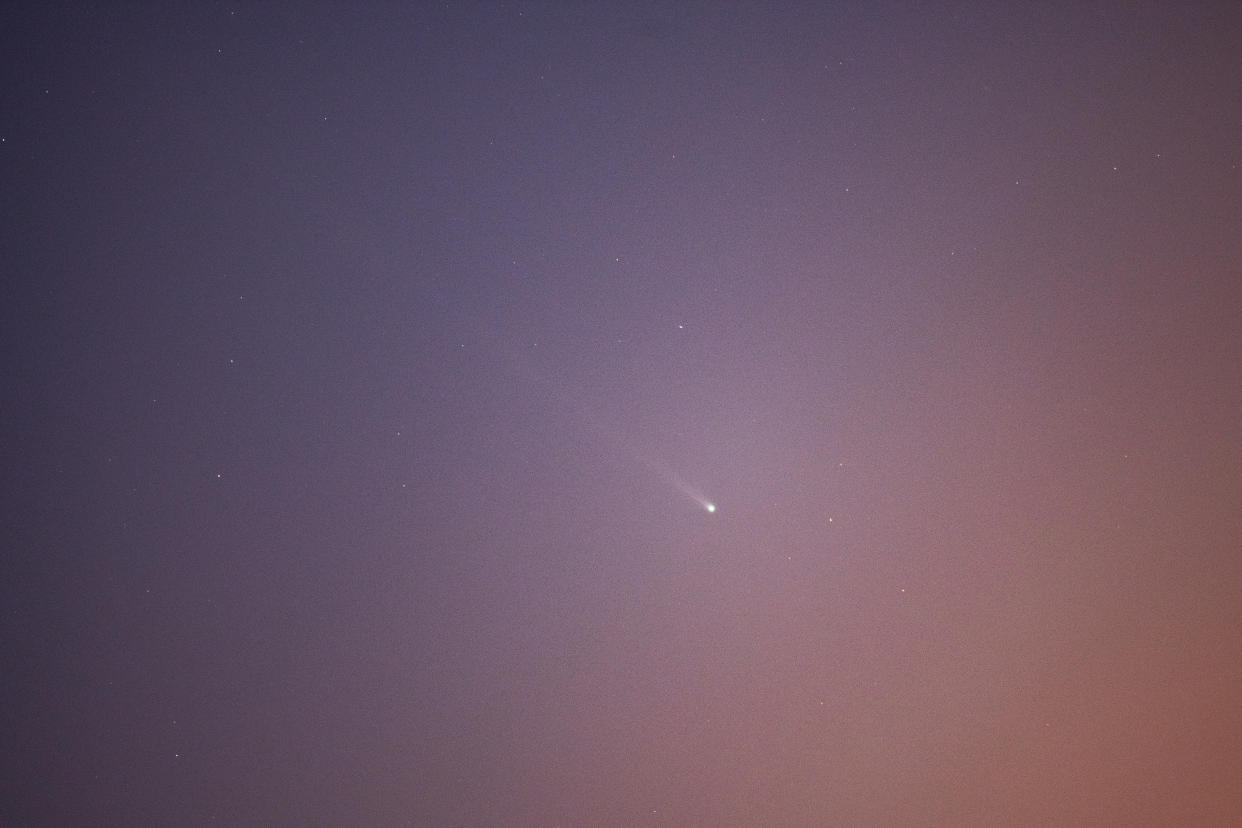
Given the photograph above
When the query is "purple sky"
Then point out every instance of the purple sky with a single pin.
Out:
(367, 368)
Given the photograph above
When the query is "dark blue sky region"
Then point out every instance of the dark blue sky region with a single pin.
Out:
(367, 369)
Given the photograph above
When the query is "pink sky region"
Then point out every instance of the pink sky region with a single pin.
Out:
(371, 372)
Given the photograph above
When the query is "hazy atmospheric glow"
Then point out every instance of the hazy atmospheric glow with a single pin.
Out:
(369, 370)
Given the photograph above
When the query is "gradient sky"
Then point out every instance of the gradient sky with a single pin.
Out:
(366, 369)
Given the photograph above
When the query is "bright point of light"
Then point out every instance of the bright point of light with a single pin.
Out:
(711, 507)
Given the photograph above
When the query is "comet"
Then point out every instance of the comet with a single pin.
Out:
(685, 488)
(524, 368)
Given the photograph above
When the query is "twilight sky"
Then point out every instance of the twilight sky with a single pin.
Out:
(367, 369)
